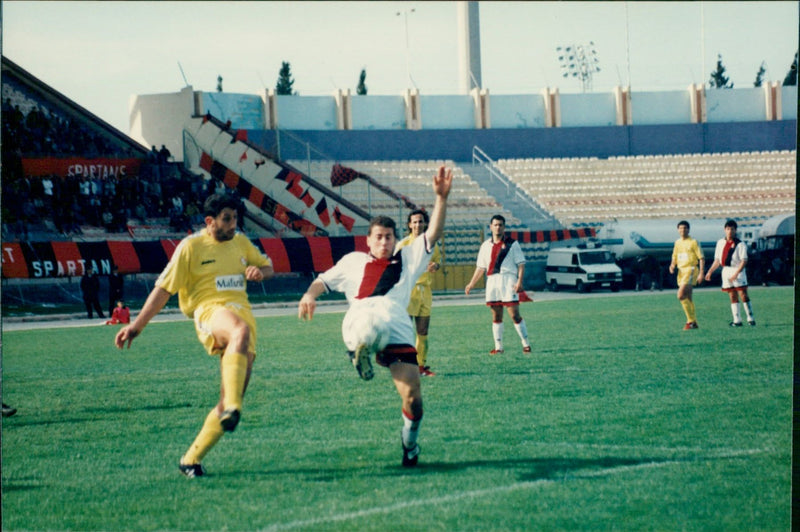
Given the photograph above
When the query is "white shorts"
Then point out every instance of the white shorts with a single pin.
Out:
(500, 289)
(739, 282)
(377, 321)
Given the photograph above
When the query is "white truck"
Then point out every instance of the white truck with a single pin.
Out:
(584, 267)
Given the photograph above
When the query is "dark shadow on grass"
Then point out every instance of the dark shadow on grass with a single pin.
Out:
(23, 484)
(85, 414)
(527, 469)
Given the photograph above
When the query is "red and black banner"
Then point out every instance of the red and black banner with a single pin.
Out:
(257, 197)
(536, 237)
(69, 259)
(99, 167)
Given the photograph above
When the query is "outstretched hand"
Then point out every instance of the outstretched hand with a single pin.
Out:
(442, 182)
(126, 334)
(306, 308)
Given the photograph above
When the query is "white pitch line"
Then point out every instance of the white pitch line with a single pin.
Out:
(489, 491)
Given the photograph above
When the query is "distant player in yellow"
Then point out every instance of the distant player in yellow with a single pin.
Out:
(687, 257)
(419, 308)
(209, 270)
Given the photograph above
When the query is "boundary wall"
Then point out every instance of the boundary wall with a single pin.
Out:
(548, 124)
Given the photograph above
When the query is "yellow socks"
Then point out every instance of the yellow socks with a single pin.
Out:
(422, 349)
(234, 373)
(689, 310)
(207, 438)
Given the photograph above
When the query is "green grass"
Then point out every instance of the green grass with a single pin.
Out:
(619, 420)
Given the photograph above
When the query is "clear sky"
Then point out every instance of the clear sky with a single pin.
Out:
(101, 53)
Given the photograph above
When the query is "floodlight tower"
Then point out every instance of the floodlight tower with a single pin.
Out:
(579, 61)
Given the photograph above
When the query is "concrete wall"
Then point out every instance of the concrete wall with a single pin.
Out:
(378, 112)
(157, 119)
(376, 127)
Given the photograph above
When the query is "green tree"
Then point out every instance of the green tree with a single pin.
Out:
(285, 81)
(362, 87)
(791, 76)
(219, 83)
(760, 75)
(718, 78)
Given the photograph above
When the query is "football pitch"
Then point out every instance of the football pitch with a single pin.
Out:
(617, 420)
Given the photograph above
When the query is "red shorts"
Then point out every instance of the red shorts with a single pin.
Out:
(396, 353)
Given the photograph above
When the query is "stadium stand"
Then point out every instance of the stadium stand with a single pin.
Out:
(746, 185)
(470, 205)
(469, 210)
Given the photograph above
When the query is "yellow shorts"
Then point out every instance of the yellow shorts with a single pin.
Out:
(421, 301)
(687, 276)
(202, 319)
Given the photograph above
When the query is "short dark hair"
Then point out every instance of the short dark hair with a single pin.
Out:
(216, 202)
(498, 217)
(382, 221)
(731, 223)
(684, 222)
(416, 212)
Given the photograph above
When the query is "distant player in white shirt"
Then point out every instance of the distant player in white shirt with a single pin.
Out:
(731, 254)
(378, 287)
(503, 262)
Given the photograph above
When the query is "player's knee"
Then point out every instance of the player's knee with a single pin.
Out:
(240, 336)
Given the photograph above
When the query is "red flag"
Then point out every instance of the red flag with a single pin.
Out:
(524, 298)
(341, 175)
(239, 135)
(343, 219)
(307, 199)
(322, 212)
(293, 186)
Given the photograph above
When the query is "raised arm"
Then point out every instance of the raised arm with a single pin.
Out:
(441, 187)
(155, 302)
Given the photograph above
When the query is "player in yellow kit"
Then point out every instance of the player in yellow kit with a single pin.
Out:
(209, 270)
(419, 308)
(687, 257)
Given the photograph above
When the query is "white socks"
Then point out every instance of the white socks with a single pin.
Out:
(497, 331)
(522, 331)
(410, 430)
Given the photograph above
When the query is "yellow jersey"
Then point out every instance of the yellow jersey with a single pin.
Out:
(425, 279)
(686, 253)
(203, 270)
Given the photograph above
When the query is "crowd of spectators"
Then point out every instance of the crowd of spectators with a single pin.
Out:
(66, 204)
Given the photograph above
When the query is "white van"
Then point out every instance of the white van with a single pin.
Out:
(584, 267)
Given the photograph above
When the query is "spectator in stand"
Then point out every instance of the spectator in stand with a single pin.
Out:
(116, 288)
(140, 212)
(108, 220)
(90, 286)
(163, 155)
(121, 314)
(47, 192)
(85, 191)
(177, 204)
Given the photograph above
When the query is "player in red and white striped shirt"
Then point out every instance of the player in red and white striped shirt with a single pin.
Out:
(731, 254)
(378, 287)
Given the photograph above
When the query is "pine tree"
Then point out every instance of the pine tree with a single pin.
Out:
(718, 78)
(760, 75)
(285, 81)
(362, 88)
(791, 76)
